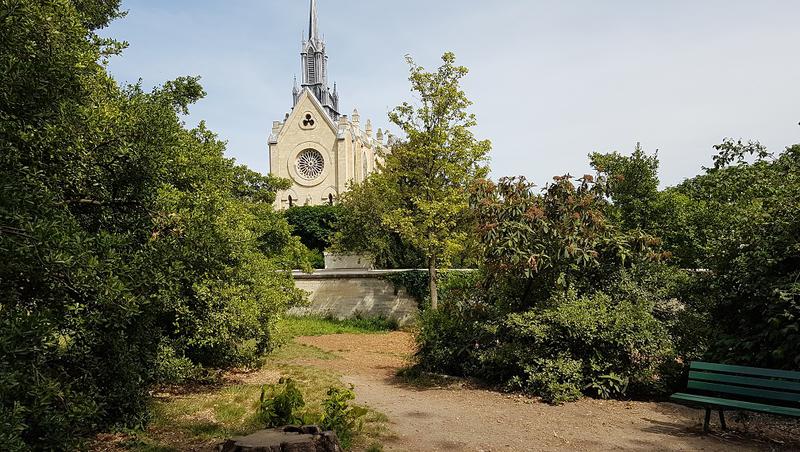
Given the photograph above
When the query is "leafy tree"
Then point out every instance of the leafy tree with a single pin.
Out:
(632, 184)
(568, 302)
(128, 244)
(748, 231)
(315, 225)
(430, 171)
(555, 241)
(738, 223)
(360, 227)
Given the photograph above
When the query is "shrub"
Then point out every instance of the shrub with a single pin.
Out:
(170, 368)
(565, 304)
(447, 337)
(120, 230)
(340, 416)
(280, 404)
(315, 225)
(738, 221)
(572, 343)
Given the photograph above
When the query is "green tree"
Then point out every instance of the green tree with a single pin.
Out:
(125, 238)
(360, 228)
(430, 170)
(632, 184)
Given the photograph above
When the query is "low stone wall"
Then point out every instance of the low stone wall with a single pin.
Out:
(345, 293)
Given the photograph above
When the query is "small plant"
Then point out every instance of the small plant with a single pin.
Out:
(279, 404)
(609, 386)
(340, 416)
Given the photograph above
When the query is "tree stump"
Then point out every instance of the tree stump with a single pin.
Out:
(308, 438)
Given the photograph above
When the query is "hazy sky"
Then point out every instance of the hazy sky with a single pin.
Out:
(551, 81)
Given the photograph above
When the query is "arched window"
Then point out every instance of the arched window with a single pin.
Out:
(291, 201)
(330, 199)
(364, 165)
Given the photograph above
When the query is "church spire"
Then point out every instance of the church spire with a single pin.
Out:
(313, 27)
(314, 65)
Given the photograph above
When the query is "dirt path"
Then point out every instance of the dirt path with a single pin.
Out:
(466, 419)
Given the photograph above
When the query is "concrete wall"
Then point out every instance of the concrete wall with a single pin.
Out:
(343, 293)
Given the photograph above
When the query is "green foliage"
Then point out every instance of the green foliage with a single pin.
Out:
(121, 232)
(430, 170)
(361, 230)
(566, 302)
(280, 404)
(553, 241)
(632, 184)
(419, 194)
(170, 368)
(415, 282)
(449, 337)
(609, 385)
(738, 222)
(341, 416)
(315, 225)
(756, 263)
(583, 338)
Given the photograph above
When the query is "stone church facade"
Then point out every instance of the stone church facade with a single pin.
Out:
(316, 147)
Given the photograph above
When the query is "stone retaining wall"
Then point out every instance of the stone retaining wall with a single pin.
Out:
(345, 293)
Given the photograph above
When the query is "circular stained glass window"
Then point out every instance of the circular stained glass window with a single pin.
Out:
(310, 164)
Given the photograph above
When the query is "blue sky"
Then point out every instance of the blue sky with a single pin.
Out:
(551, 81)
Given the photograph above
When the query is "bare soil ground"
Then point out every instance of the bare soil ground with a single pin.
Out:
(461, 417)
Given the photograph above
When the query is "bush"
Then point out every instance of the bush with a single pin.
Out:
(566, 304)
(315, 225)
(120, 231)
(738, 221)
(280, 404)
(173, 369)
(448, 337)
(340, 416)
(572, 343)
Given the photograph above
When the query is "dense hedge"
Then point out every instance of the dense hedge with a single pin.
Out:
(554, 312)
(578, 296)
(738, 222)
(315, 225)
(131, 250)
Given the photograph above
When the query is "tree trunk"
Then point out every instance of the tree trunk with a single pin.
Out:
(432, 277)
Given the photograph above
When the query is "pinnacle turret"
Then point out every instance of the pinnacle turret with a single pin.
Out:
(314, 63)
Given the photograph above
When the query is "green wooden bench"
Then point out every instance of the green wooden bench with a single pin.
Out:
(722, 387)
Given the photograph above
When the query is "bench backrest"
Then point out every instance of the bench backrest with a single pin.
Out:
(781, 387)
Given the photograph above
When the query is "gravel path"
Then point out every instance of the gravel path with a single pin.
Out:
(460, 418)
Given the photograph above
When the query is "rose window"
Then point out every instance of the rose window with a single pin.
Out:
(310, 164)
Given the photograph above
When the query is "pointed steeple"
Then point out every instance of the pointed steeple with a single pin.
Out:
(313, 27)
(314, 65)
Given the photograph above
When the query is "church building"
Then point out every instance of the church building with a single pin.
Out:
(316, 147)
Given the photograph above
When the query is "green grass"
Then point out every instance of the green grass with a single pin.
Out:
(293, 326)
(209, 416)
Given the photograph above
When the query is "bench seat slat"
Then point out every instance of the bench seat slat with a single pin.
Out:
(735, 404)
(748, 381)
(756, 371)
(743, 391)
